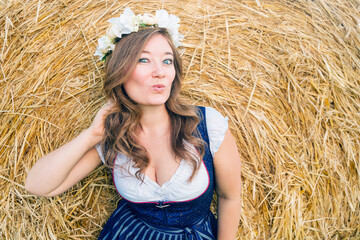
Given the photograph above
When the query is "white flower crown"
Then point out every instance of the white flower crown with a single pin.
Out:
(128, 23)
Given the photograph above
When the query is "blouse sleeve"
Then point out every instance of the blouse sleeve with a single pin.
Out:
(216, 127)
(100, 152)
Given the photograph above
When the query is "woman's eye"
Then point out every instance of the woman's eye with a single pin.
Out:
(168, 61)
(143, 60)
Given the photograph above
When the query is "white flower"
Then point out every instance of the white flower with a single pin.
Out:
(171, 23)
(105, 44)
(125, 24)
(115, 29)
(163, 18)
(128, 21)
(149, 19)
(177, 38)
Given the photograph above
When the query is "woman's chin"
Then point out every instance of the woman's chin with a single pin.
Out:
(159, 101)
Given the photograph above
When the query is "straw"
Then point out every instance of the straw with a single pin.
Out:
(286, 73)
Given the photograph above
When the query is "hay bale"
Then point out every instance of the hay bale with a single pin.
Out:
(285, 72)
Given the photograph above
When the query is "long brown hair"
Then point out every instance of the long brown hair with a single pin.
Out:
(120, 125)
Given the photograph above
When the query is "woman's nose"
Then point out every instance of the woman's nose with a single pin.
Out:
(158, 70)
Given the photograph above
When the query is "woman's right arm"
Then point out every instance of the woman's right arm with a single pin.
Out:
(59, 170)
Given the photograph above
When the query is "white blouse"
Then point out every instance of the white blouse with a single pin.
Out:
(178, 188)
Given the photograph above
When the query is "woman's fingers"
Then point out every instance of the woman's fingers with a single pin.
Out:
(97, 126)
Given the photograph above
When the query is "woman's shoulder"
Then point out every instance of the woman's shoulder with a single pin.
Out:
(214, 114)
(216, 125)
(209, 111)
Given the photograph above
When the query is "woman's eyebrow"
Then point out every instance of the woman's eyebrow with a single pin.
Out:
(166, 53)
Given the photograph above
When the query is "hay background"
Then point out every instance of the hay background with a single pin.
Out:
(285, 72)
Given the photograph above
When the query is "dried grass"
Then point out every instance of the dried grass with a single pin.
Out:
(285, 72)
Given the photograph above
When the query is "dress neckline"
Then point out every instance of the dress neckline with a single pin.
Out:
(172, 178)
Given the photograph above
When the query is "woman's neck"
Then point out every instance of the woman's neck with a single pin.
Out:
(154, 120)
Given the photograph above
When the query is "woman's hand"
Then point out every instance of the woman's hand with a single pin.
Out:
(97, 128)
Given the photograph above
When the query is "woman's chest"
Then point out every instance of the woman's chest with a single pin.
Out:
(177, 188)
(163, 162)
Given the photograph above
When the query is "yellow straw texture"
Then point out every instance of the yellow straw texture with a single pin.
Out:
(286, 73)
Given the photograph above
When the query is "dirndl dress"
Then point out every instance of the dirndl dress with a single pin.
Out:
(185, 220)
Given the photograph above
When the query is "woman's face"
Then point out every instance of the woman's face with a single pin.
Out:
(150, 82)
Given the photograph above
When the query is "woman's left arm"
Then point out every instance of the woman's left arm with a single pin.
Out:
(228, 187)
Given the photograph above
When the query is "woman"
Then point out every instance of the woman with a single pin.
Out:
(165, 155)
